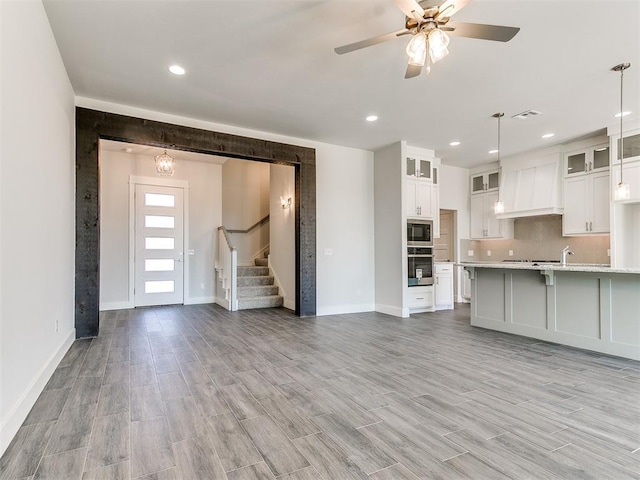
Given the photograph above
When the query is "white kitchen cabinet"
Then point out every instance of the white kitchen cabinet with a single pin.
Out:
(419, 199)
(485, 181)
(586, 160)
(484, 223)
(443, 286)
(586, 204)
(420, 299)
(417, 166)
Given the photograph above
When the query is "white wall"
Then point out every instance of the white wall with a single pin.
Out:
(390, 230)
(37, 158)
(205, 215)
(245, 201)
(282, 258)
(344, 209)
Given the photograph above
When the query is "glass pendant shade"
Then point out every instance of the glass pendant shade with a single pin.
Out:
(417, 49)
(165, 165)
(438, 40)
(622, 192)
(437, 55)
(498, 207)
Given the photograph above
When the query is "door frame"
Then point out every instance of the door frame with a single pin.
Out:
(158, 182)
(93, 125)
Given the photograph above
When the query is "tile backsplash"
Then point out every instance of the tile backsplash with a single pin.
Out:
(538, 238)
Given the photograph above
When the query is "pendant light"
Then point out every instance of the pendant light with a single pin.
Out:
(498, 207)
(165, 165)
(622, 190)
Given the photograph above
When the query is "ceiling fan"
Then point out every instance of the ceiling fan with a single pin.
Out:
(428, 22)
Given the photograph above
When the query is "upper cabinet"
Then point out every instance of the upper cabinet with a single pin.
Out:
(417, 166)
(586, 161)
(586, 191)
(485, 181)
(421, 198)
(483, 184)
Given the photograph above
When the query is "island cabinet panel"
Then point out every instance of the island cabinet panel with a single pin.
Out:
(528, 304)
(578, 306)
(591, 307)
(491, 288)
(625, 309)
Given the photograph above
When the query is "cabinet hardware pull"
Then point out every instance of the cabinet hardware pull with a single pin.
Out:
(419, 298)
(586, 226)
(591, 226)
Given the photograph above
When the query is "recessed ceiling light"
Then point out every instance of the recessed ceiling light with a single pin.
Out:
(623, 114)
(177, 70)
(454, 144)
(493, 151)
(371, 118)
(548, 135)
(128, 149)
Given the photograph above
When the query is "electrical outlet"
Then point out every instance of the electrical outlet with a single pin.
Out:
(202, 286)
(488, 253)
(608, 252)
(511, 253)
(469, 253)
(359, 292)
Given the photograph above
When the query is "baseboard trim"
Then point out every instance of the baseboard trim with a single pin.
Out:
(199, 300)
(104, 306)
(395, 311)
(12, 423)
(340, 309)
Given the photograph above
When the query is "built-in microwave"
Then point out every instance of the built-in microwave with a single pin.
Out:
(420, 233)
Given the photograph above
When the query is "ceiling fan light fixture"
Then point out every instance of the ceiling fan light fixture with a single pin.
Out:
(417, 49)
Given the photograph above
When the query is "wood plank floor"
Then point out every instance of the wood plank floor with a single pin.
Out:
(197, 392)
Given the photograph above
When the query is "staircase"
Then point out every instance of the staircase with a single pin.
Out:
(256, 288)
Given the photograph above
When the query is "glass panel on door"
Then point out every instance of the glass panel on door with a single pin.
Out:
(601, 157)
(477, 183)
(576, 163)
(411, 167)
(425, 169)
(494, 180)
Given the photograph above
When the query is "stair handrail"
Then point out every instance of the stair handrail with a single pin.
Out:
(228, 268)
(255, 225)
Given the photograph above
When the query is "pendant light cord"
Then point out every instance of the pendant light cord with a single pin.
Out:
(621, 154)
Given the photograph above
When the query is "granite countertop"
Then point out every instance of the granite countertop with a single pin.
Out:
(570, 267)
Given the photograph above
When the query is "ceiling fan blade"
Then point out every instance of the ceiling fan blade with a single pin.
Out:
(413, 71)
(450, 7)
(411, 8)
(484, 32)
(370, 41)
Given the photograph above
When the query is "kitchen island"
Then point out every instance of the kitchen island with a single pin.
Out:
(594, 307)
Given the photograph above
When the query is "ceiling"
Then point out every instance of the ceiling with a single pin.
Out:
(269, 65)
(146, 150)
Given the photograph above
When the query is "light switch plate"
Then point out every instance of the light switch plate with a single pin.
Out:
(328, 251)
(511, 253)
(192, 252)
(488, 253)
(470, 253)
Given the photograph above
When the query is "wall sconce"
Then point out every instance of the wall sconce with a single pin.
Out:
(286, 203)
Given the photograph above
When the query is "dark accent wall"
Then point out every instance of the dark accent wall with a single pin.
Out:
(92, 125)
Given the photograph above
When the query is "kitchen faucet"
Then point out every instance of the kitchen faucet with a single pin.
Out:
(565, 252)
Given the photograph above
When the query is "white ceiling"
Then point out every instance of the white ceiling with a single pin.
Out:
(269, 65)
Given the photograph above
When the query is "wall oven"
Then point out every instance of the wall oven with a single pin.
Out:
(420, 233)
(420, 266)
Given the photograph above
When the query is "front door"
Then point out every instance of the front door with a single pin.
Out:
(159, 242)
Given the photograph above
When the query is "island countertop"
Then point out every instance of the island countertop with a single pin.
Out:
(570, 267)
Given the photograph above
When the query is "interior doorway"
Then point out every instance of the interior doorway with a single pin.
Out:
(444, 246)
